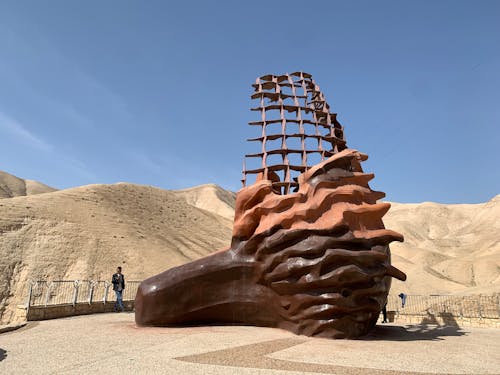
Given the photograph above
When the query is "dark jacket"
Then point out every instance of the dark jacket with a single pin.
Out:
(116, 281)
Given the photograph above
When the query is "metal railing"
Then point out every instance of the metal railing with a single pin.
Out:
(472, 306)
(64, 292)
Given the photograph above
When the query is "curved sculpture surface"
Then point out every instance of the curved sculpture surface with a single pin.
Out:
(315, 261)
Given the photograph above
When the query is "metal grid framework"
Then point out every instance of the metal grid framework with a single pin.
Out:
(298, 108)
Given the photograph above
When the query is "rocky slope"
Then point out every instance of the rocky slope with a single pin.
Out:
(12, 186)
(85, 232)
(448, 248)
(210, 197)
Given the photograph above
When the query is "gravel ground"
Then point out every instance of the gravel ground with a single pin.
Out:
(112, 344)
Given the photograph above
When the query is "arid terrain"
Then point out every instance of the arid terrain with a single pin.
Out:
(85, 232)
(448, 248)
(12, 186)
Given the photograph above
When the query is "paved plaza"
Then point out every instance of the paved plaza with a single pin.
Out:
(112, 344)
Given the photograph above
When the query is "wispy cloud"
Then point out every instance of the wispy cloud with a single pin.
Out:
(78, 95)
(175, 172)
(22, 134)
(180, 173)
(79, 168)
(77, 103)
(147, 163)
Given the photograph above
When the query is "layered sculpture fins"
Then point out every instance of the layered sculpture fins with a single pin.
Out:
(314, 261)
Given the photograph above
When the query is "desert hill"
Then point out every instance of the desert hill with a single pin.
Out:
(448, 248)
(85, 232)
(12, 186)
(210, 197)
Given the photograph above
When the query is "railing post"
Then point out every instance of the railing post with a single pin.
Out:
(479, 307)
(30, 294)
(91, 291)
(76, 284)
(106, 290)
(30, 291)
(89, 299)
(47, 294)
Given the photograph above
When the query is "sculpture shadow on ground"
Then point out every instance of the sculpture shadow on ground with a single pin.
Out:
(428, 329)
(3, 354)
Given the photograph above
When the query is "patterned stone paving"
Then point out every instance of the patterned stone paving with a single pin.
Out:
(112, 344)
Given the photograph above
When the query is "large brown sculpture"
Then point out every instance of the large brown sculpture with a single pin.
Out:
(315, 261)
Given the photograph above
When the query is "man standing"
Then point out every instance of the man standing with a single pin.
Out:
(118, 281)
(384, 313)
(403, 299)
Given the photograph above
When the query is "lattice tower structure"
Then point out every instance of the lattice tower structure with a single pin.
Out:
(295, 103)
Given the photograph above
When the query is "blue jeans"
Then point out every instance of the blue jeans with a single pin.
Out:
(119, 300)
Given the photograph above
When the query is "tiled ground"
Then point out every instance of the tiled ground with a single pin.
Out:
(112, 344)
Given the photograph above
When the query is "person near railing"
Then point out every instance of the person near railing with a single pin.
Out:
(403, 299)
(118, 281)
(384, 313)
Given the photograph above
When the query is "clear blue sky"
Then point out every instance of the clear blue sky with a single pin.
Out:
(157, 92)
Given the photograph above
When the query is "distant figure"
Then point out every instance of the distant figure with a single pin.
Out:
(118, 281)
(403, 299)
(384, 313)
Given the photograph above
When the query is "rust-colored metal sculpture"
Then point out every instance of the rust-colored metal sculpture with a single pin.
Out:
(315, 261)
(296, 108)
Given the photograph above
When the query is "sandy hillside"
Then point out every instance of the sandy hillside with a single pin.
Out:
(12, 186)
(85, 232)
(210, 197)
(448, 248)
